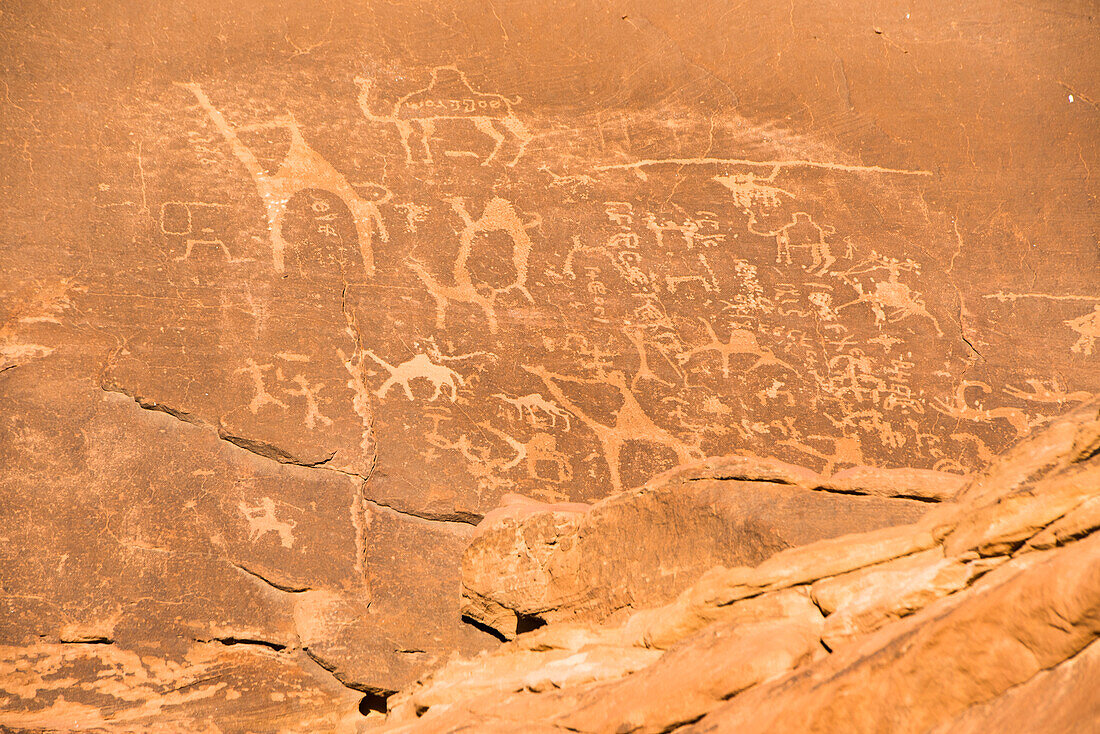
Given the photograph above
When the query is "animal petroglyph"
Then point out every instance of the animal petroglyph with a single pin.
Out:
(302, 168)
(418, 367)
(741, 341)
(498, 216)
(1041, 392)
(188, 220)
(847, 450)
(449, 96)
(801, 233)
(630, 424)
(533, 406)
(748, 189)
(541, 451)
(261, 521)
(961, 408)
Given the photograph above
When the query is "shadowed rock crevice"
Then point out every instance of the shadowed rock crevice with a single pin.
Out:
(274, 453)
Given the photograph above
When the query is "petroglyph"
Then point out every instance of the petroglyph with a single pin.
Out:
(846, 451)
(261, 396)
(741, 341)
(961, 408)
(541, 451)
(191, 222)
(533, 406)
(262, 520)
(630, 423)
(449, 96)
(498, 216)
(748, 189)
(302, 168)
(309, 392)
(1042, 392)
(795, 163)
(1088, 326)
(419, 367)
(801, 233)
(891, 300)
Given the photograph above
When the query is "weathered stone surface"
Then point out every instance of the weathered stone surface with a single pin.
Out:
(293, 561)
(922, 484)
(641, 548)
(99, 686)
(925, 674)
(292, 295)
(884, 630)
(1057, 700)
(864, 600)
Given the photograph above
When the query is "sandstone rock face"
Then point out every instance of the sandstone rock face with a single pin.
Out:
(641, 548)
(297, 299)
(903, 628)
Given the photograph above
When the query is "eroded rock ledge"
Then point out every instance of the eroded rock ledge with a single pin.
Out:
(983, 610)
(532, 563)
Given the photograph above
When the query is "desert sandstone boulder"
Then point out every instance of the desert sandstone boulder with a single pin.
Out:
(641, 548)
(897, 629)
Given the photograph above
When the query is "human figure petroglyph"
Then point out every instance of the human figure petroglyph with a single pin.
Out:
(301, 168)
(741, 341)
(262, 520)
(534, 405)
(419, 366)
(891, 300)
(498, 216)
(961, 408)
(1088, 326)
(449, 96)
(630, 424)
(309, 391)
(261, 397)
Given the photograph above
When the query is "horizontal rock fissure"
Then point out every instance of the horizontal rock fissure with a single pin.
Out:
(284, 587)
(813, 487)
(742, 478)
(340, 678)
(461, 518)
(274, 453)
(276, 646)
(859, 493)
(259, 448)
